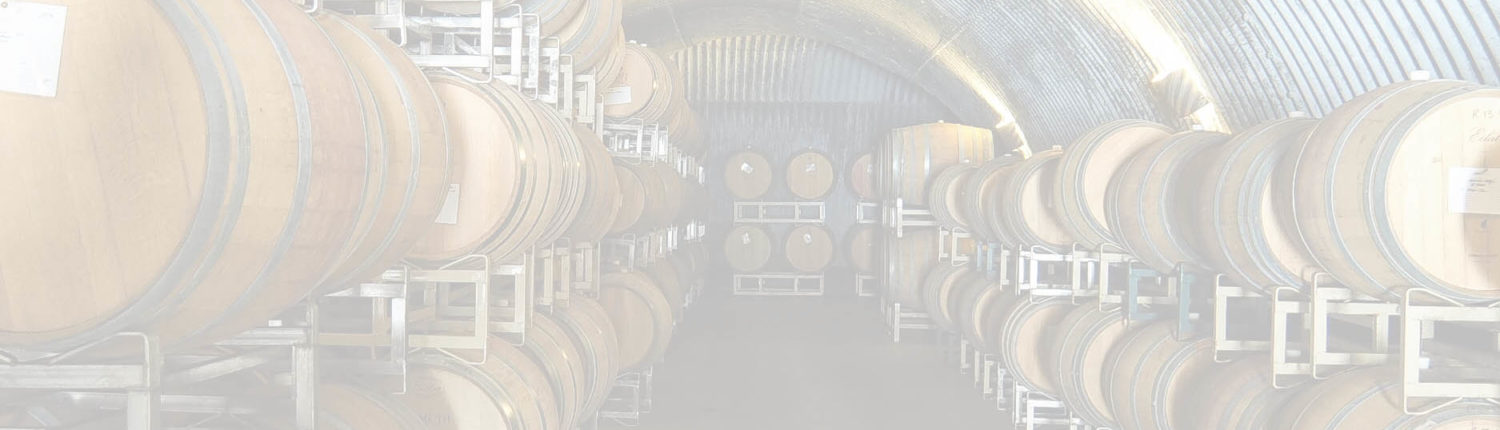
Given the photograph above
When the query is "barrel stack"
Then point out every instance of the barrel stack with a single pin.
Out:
(780, 242)
(1144, 271)
(322, 175)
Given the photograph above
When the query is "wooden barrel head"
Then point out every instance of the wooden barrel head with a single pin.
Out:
(508, 391)
(937, 293)
(641, 315)
(594, 336)
(861, 240)
(1087, 169)
(1150, 375)
(981, 189)
(646, 88)
(861, 177)
(549, 345)
(747, 175)
(1390, 191)
(747, 248)
(810, 175)
(809, 248)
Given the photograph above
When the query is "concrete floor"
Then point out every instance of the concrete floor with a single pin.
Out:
(807, 363)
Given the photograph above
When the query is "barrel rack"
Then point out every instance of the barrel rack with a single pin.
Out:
(896, 217)
(780, 213)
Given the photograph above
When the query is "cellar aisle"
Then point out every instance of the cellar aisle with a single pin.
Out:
(806, 363)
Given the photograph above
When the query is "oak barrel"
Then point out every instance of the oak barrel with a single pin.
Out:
(230, 185)
(594, 336)
(641, 315)
(1027, 332)
(651, 196)
(1083, 341)
(1239, 397)
(859, 246)
(1153, 206)
(947, 196)
(1393, 190)
(747, 248)
(1247, 206)
(983, 207)
(348, 407)
(508, 391)
(669, 279)
(861, 177)
(602, 197)
(505, 202)
(407, 163)
(938, 296)
(808, 248)
(748, 175)
(907, 261)
(550, 346)
(913, 155)
(810, 175)
(593, 37)
(1150, 377)
(1088, 167)
(648, 87)
(1370, 398)
(1025, 204)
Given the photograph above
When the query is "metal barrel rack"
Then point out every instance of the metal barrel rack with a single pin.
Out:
(896, 219)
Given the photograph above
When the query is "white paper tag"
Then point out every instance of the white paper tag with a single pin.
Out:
(449, 214)
(616, 96)
(1474, 190)
(31, 38)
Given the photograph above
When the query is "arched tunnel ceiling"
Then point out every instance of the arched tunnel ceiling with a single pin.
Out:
(1060, 67)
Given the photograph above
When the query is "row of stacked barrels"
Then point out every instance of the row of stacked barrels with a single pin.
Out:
(306, 154)
(806, 248)
(1388, 192)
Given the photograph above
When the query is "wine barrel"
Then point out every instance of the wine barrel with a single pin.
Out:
(550, 346)
(232, 190)
(809, 175)
(651, 196)
(407, 171)
(665, 274)
(938, 293)
(1391, 191)
(947, 196)
(982, 206)
(987, 317)
(1025, 205)
(593, 335)
(507, 391)
(592, 37)
(647, 88)
(1082, 344)
(747, 248)
(1253, 237)
(602, 197)
(1371, 399)
(347, 407)
(1153, 202)
(1087, 169)
(907, 261)
(809, 248)
(1150, 376)
(912, 155)
(860, 245)
(686, 129)
(861, 177)
(748, 175)
(1026, 333)
(641, 315)
(501, 203)
(1241, 397)
(968, 310)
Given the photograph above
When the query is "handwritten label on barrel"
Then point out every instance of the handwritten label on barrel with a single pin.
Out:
(449, 214)
(31, 38)
(1474, 190)
(616, 96)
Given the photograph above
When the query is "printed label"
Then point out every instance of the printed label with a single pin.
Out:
(31, 37)
(449, 214)
(616, 96)
(1474, 190)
